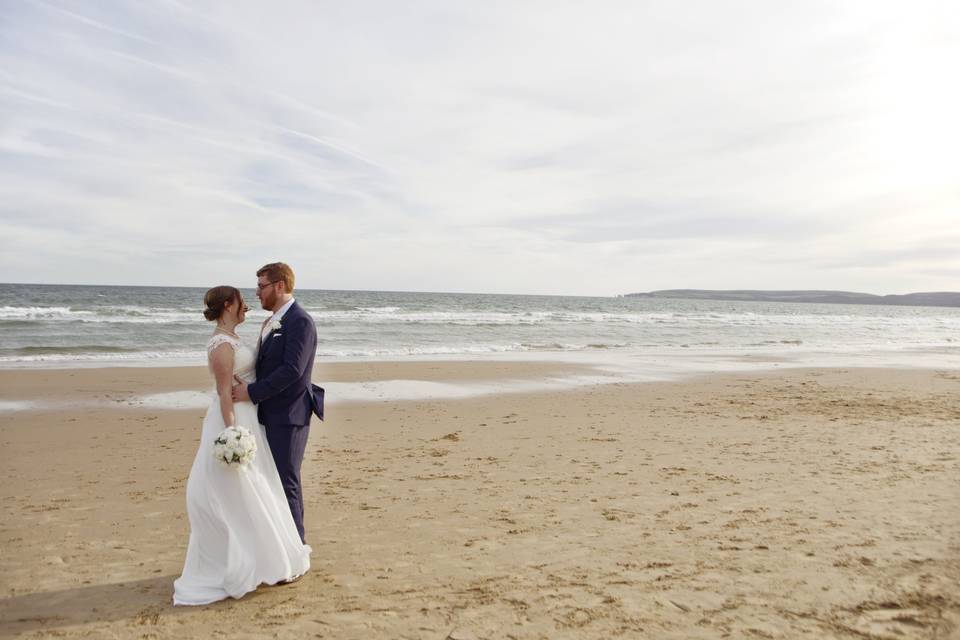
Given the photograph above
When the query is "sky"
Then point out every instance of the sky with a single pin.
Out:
(557, 147)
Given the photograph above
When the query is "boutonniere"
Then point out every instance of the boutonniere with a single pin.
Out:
(275, 326)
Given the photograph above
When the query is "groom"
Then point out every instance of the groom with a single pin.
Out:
(284, 396)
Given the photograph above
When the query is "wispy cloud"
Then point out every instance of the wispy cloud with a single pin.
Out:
(89, 22)
(532, 147)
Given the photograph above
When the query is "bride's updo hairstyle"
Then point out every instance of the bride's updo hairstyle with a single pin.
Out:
(217, 298)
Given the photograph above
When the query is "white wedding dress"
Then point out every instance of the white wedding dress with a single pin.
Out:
(241, 531)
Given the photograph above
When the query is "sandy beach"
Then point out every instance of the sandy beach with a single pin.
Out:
(820, 503)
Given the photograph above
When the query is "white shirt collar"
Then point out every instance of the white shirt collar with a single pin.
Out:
(279, 314)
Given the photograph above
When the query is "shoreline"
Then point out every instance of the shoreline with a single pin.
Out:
(428, 378)
(125, 388)
(814, 502)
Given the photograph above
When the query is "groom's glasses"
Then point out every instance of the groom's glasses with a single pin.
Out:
(261, 287)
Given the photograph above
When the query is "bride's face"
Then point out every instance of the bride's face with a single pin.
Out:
(237, 309)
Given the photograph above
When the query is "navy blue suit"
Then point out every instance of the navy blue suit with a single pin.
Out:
(286, 399)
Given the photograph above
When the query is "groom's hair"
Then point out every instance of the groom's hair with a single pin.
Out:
(278, 271)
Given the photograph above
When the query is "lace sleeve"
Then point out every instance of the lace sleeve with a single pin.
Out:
(218, 339)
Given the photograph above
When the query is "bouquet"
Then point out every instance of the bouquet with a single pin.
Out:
(234, 447)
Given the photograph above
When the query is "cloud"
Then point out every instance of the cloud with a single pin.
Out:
(629, 219)
(533, 147)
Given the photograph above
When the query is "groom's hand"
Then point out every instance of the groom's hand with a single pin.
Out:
(240, 391)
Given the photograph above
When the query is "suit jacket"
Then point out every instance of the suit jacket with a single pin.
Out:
(283, 392)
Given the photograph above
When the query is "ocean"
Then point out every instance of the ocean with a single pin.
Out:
(71, 325)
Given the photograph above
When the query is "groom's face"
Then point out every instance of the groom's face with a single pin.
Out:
(267, 292)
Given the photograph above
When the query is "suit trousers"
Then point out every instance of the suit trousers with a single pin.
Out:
(288, 444)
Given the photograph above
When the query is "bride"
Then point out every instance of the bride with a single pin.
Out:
(241, 531)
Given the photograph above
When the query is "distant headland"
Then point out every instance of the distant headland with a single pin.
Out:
(930, 299)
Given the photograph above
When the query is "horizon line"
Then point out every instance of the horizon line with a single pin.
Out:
(485, 293)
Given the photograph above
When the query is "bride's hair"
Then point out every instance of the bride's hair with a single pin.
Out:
(217, 298)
